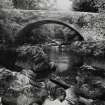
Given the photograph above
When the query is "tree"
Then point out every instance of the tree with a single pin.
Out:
(33, 4)
(100, 4)
(89, 5)
(6, 4)
(26, 4)
(85, 5)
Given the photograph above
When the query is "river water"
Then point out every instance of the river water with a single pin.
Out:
(65, 60)
(63, 57)
(68, 62)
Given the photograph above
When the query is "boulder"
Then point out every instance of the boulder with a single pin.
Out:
(91, 82)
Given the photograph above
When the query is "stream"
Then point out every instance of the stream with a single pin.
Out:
(68, 62)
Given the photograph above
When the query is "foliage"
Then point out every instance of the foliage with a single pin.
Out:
(89, 5)
(84, 5)
(100, 4)
(6, 4)
(25, 4)
(95, 48)
(32, 53)
(32, 4)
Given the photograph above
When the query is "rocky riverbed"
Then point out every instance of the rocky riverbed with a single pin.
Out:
(28, 84)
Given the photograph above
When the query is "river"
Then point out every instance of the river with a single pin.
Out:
(65, 60)
(68, 62)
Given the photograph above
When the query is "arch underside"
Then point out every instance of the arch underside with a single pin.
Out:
(25, 32)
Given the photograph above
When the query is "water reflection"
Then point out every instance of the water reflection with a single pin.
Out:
(68, 63)
(63, 57)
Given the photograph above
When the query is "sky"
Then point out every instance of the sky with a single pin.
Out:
(58, 4)
(63, 5)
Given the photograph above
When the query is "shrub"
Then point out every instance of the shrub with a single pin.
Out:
(26, 4)
(89, 5)
(6, 4)
(33, 4)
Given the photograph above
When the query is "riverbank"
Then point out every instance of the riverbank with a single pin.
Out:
(84, 48)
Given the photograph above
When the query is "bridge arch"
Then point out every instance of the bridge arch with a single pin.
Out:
(25, 32)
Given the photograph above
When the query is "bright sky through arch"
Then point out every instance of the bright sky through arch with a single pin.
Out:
(64, 5)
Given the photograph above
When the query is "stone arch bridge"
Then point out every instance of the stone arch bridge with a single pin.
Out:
(24, 34)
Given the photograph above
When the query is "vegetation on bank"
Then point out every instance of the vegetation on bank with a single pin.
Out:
(95, 48)
(95, 6)
(89, 5)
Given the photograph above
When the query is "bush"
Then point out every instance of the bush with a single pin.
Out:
(89, 5)
(6, 4)
(26, 4)
(100, 4)
(33, 4)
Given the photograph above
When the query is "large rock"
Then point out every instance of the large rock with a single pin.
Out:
(90, 81)
(22, 89)
(26, 86)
